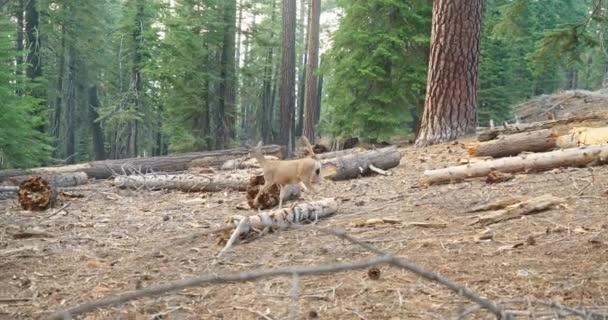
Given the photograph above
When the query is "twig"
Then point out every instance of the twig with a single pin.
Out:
(59, 210)
(429, 275)
(295, 296)
(214, 279)
(256, 312)
(11, 300)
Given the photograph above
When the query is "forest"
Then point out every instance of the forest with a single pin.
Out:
(303, 159)
(110, 79)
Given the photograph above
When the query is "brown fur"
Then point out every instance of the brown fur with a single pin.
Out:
(304, 171)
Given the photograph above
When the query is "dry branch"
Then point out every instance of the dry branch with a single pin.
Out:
(283, 218)
(511, 145)
(354, 165)
(519, 209)
(574, 157)
(186, 182)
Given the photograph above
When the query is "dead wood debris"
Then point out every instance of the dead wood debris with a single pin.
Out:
(519, 209)
(35, 194)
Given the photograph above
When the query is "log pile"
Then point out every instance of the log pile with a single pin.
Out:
(528, 147)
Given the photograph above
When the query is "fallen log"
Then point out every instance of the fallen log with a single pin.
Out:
(185, 182)
(279, 219)
(244, 163)
(580, 136)
(573, 157)
(511, 145)
(490, 134)
(519, 209)
(355, 165)
(61, 180)
(172, 163)
(339, 153)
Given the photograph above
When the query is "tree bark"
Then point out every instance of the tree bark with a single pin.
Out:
(267, 97)
(573, 157)
(301, 68)
(70, 143)
(19, 46)
(451, 94)
(512, 145)
(310, 101)
(225, 125)
(288, 76)
(355, 165)
(186, 182)
(58, 108)
(179, 162)
(319, 99)
(136, 81)
(99, 151)
(32, 30)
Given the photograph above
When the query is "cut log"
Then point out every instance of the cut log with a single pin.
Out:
(490, 134)
(512, 145)
(355, 165)
(60, 180)
(519, 209)
(340, 153)
(185, 182)
(244, 163)
(172, 163)
(581, 136)
(573, 157)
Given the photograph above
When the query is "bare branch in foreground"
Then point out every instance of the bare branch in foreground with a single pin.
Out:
(429, 275)
(214, 279)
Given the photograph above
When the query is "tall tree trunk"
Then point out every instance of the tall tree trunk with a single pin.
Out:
(70, 113)
(450, 109)
(246, 106)
(99, 151)
(32, 30)
(319, 99)
(301, 68)
(237, 88)
(56, 125)
(19, 46)
(206, 112)
(311, 67)
(267, 100)
(136, 81)
(288, 75)
(227, 75)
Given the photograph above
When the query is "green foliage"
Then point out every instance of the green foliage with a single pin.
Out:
(21, 145)
(378, 67)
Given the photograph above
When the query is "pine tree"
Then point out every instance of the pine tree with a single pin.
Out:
(18, 111)
(375, 70)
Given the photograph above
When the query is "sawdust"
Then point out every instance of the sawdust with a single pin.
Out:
(114, 240)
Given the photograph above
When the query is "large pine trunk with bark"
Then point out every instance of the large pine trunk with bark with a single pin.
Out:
(288, 76)
(310, 102)
(451, 97)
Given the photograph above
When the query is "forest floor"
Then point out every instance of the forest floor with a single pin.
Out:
(112, 241)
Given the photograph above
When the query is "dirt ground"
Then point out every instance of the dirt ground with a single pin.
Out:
(108, 242)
